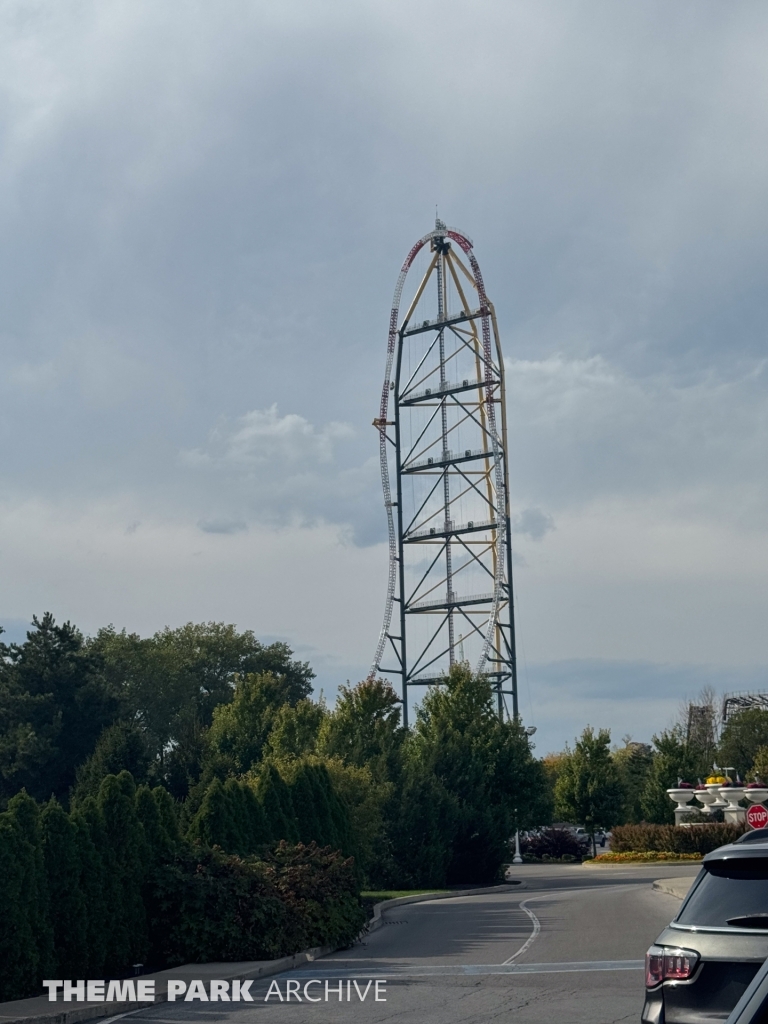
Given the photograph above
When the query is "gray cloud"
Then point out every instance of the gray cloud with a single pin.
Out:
(533, 523)
(201, 222)
(225, 526)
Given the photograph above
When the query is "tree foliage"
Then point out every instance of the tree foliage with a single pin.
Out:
(588, 789)
(54, 704)
(743, 735)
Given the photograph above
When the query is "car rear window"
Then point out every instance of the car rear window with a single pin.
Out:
(729, 893)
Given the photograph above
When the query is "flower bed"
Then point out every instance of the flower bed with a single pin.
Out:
(642, 857)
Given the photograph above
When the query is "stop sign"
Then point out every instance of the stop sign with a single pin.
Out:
(757, 816)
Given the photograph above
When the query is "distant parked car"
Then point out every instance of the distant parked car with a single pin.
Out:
(703, 962)
(583, 833)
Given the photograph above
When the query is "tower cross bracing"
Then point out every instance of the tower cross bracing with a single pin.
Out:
(443, 447)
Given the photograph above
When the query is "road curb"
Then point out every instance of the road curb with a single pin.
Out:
(96, 1011)
(677, 887)
(378, 908)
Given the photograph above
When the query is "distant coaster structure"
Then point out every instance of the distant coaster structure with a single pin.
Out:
(443, 443)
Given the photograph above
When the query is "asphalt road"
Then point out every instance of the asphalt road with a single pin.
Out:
(566, 948)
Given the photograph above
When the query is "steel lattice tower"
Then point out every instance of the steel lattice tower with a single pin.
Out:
(443, 444)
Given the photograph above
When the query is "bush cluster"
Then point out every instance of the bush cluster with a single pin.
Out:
(672, 839)
(113, 883)
(553, 844)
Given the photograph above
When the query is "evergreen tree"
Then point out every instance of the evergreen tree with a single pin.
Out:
(305, 804)
(323, 793)
(20, 969)
(18, 948)
(67, 908)
(275, 798)
(54, 703)
(426, 824)
(121, 747)
(633, 763)
(100, 889)
(230, 816)
(212, 825)
(24, 813)
(148, 813)
(125, 858)
(239, 838)
(169, 818)
(257, 835)
(484, 764)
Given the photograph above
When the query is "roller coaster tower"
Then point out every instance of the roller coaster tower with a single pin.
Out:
(443, 444)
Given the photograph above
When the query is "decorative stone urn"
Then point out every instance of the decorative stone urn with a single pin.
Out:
(731, 795)
(756, 794)
(682, 796)
(717, 804)
(706, 798)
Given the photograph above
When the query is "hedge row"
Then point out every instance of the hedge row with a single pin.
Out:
(245, 816)
(673, 838)
(113, 883)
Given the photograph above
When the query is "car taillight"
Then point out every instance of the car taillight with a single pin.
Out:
(664, 963)
(654, 966)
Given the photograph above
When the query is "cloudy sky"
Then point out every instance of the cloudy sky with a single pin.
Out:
(203, 209)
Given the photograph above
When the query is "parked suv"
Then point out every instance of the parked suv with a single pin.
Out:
(701, 964)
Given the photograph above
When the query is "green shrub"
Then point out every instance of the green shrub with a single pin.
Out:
(673, 838)
(554, 844)
(93, 891)
(206, 905)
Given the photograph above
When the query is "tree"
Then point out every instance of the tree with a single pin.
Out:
(426, 825)
(121, 747)
(367, 806)
(54, 703)
(275, 799)
(100, 888)
(173, 682)
(67, 908)
(240, 729)
(125, 856)
(364, 727)
(295, 729)
(588, 789)
(672, 759)
(213, 825)
(760, 764)
(306, 807)
(485, 766)
(26, 938)
(742, 736)
(633, 763)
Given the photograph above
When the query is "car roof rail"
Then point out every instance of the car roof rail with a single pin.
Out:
(757, 835)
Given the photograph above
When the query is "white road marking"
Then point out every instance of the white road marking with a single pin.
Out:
(532, 937)
(437, 970)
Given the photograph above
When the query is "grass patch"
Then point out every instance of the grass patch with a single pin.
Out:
(370, 897)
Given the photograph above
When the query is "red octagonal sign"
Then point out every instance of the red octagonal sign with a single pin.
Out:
(757, 816)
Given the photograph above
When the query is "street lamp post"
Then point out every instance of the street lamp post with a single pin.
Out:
(517, 859)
